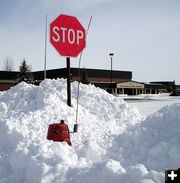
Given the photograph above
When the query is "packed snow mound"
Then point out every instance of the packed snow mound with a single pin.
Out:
(143, 152)
(154, 142)
(114, 142)
(27, 110)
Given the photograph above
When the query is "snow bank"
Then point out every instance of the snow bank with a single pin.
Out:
(27, 110)
(110, 146)
(154, 142)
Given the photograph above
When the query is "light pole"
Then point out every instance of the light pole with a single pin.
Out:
(111, 56)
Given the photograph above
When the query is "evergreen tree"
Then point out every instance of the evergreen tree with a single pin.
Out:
(84, 77)
(25, 73)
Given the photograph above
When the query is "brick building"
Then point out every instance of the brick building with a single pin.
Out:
(122, 82)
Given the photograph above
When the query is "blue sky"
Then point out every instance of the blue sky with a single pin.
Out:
(144, 35)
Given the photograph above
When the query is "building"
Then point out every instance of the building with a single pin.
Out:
(94, 75)
(155, 88)
(98, 77)
(130, 88)
(122, 82)
(7, 79)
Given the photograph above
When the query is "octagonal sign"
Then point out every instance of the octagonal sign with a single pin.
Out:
(67, 35)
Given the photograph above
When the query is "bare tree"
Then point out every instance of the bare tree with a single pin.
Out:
(8, 64)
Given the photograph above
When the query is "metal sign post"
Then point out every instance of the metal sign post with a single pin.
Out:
(68, 81)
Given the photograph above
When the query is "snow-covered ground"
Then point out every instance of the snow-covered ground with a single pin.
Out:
(149, 104)
(117, 141)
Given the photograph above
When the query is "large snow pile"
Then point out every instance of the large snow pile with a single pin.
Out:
(113, 143)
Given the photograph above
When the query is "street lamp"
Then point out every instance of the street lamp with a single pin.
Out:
(111, 56)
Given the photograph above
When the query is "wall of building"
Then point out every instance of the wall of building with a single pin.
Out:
(5, 86)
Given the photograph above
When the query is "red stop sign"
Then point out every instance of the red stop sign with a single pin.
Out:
(67, 35)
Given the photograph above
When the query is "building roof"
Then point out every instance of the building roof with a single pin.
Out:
(60, 73)
(155, 85)
(162, 82)
(103, 75)
(8, 75)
